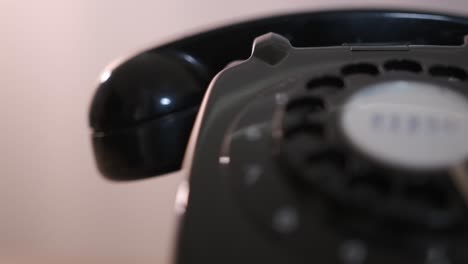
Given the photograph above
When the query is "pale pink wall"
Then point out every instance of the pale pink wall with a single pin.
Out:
(54, 207)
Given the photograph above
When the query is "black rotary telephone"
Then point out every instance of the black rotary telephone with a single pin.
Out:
(337, 137)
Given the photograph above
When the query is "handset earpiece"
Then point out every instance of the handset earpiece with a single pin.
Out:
(142, 116)
(143, 110)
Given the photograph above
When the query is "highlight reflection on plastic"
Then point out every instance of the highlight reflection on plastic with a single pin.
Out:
(165, 101)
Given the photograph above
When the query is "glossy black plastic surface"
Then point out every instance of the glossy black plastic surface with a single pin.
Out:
(150, 148)
(172, 78)
(146, 87)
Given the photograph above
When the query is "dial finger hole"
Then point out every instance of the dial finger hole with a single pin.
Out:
(305, 105)
(450, 72)
(360, 68)
(326, 82)
(403, 65)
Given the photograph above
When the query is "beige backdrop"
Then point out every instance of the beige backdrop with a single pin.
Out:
(54, 207)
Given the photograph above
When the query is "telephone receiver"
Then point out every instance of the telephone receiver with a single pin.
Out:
(144, 108)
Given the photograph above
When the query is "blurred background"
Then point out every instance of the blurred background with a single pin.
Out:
(54, 206)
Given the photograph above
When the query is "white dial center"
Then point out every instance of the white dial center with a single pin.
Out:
(408, 124)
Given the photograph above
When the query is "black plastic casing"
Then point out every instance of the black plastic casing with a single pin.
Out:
(135, 136)
(216, 227)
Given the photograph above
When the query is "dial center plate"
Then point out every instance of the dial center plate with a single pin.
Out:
(409, 124)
